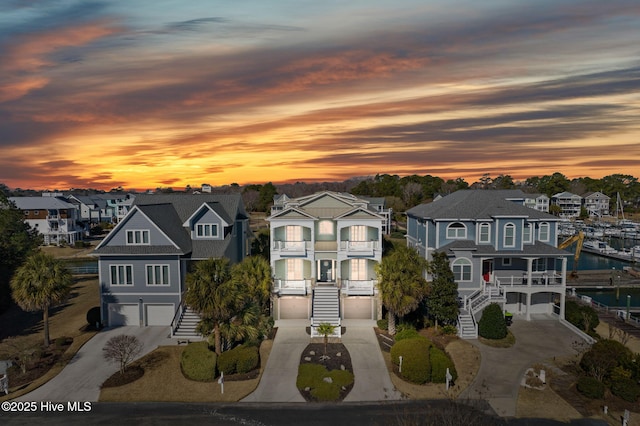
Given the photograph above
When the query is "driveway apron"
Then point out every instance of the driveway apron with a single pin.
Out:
(81, 379)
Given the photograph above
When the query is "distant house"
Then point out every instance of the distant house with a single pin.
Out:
(97, 208)
(144, 260)
(596, 204)
(52, 216)
(570, 204)
(324, 248)
(499, 251)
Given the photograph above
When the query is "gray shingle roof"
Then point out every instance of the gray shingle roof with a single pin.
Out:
(476, 204)
(538, 249)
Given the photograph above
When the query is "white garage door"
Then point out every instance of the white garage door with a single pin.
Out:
(159, 314)
(123, 314)
(357, 308)
(294, 307)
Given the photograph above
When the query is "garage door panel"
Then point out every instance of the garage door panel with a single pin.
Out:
(123, 314)
(358, 308)
(294, 308)
(159, 314)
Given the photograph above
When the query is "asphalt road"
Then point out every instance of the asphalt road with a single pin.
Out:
(249, 414)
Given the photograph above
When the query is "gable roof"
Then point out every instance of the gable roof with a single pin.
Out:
(325, 205)
(476, 204)
(41, 203)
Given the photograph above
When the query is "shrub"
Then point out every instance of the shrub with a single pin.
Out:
(440, 361)
(248, 359)
(590, 387)
(308, 374)
(626, 389)
(492, 324)
(228, 361)
(582, 316)
(408, 333)
(415, 359)
(383, 324)
(603, 357)
(93, 316)
(198, 362)
(311, 376)
(450, 329)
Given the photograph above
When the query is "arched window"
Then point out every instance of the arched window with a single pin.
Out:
(456, 231)
(461, 269)
(543, 232)
(484, 236)
(509, 235)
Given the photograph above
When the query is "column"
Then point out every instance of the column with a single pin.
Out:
(529, 304)
(529, 273)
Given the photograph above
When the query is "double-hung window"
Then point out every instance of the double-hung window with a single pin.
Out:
(543, 232)
(484, 236)
(526, 233)
(461, 269)
(137, 237)
(157, 274)
(509, 235)
(121, 274)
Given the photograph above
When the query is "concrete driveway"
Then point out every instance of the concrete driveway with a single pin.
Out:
(80, 380)
(502, 369)
(278, 382)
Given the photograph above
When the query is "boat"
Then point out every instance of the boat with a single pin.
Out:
(598, 247)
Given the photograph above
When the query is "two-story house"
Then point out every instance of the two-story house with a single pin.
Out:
(324, 248)
(499, 251)
(144, 260)
(51, 216)
(596, 204)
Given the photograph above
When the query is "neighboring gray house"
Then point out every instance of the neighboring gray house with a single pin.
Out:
(144, 260)
(499, 251)
(570, 204)
(596, 204)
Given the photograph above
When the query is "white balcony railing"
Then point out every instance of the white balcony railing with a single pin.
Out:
(291, 247)
(359, 287)
(537, 279)
(359, 247)
(281, 286)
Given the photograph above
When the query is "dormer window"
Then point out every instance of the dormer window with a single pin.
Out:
(137, 237)
(543, 232)
(509, 235)
(207, 230)
(484, 233)
(456, 231)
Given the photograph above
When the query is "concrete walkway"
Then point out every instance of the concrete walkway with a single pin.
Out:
(502, 369)
(278, 382)
(81, 379)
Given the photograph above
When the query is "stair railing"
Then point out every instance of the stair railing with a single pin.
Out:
(177, 317)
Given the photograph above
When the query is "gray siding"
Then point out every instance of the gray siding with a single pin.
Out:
(137, 221)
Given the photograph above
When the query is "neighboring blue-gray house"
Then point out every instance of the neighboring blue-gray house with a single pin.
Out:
(499, 250)
(144, 260)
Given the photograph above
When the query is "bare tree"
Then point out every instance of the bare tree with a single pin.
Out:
(19, 351)
(122, 349)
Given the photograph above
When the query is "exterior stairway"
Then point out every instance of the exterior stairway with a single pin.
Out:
(326, 309)
(467, 325)
(186, 326)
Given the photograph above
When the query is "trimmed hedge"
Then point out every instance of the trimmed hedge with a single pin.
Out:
(440, 361)
(416, 367)
(408, 333)
(590, 387)
(492, 324)
(198, 362)
(240, 359)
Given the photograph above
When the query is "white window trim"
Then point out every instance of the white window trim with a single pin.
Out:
(506, 261)
(512, 226)
(480, 228)
(358, 269)
(293, 233)
(529, 226)
(142, 232)
(463, 262)
(457, 229)
(548, 228)
(358, 233)
(155, 282)
(295, 269)
(202, 226)
(121, 279)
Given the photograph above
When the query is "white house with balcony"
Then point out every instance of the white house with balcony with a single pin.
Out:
(499, 250)
(51, 216)
(596, 204)
(324, 248)
(570, 204)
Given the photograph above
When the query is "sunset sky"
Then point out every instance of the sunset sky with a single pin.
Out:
(150, 93)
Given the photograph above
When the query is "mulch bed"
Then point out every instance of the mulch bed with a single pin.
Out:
(48, 357)
(339, 357)
(131, 374)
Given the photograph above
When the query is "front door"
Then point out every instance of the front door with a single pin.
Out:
(325, 272)
(487, 270)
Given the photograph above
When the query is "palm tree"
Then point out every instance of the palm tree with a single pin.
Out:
(211, 292)
(326, 329)
(254, 274)
(401, 283)
(40, 283)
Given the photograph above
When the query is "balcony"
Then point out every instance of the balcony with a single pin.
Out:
(359, 287)
(539, 280)
(359, 248)
(291, 248)
(291, 287)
